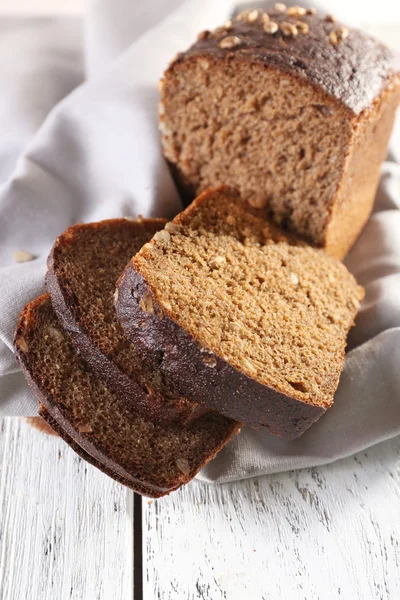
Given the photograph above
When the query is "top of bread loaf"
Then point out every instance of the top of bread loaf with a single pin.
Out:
(348, 64)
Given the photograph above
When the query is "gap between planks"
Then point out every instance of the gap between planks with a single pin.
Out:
(137, 547)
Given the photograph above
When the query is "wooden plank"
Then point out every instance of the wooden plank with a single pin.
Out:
(65, 528)
(328, 532)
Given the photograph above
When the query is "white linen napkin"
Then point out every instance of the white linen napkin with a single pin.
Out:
(96, 155)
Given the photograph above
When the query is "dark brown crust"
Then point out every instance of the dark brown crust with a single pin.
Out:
(86, 449)
(222, 388)
(354, 71)
(148, 402)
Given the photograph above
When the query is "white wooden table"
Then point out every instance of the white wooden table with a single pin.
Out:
(68, 532)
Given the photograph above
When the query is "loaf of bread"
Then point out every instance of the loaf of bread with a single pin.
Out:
(239, 317)
(151, 458)
(293, 110)
(83, 267)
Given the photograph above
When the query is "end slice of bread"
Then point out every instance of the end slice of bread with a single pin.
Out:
(83, 267)
(239, 316)
(150, 458)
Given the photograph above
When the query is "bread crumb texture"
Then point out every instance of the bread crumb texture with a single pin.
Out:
(275, 309)
(164, 456)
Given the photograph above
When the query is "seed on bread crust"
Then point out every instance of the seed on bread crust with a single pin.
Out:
(249, 16)
(253, 16)
(271, 27)
(231, 41)
(210, 361)
(303, 27)
(288, 29)
(296, 11)
(146, 304)
(338, 35)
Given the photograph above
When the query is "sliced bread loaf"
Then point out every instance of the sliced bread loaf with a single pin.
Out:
(239, 317)
(83, 267)
(292, 109)
(103, 428)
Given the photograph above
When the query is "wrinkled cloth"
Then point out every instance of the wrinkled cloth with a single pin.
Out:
(79, 142)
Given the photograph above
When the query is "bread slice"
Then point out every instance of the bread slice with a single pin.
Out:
(292, 109)
(151, 458)
(238, 316)
(83, 267)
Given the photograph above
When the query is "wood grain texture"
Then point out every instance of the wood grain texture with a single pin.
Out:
(65, 528)
(327, 533)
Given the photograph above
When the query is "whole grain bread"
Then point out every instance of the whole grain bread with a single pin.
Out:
(238, 316)
(83, 267)
(151, 458)
(291, 108)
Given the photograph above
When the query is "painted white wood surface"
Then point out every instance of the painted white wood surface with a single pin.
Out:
(327, 533)
(65, 528)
